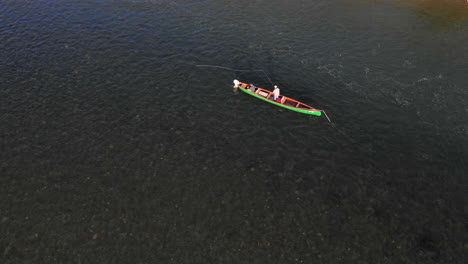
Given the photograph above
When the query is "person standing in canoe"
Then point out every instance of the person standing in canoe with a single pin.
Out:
(276, 93)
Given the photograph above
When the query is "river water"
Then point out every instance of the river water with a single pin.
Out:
(117, 148)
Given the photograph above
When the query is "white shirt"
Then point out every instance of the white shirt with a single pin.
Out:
(276, 92)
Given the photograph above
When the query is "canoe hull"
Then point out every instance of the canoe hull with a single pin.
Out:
(305, 109)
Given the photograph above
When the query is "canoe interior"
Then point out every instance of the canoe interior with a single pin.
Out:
(281, 100)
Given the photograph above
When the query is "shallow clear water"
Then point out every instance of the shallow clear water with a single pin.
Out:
(116, 148)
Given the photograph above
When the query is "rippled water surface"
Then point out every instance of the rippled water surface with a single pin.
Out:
(117, 148)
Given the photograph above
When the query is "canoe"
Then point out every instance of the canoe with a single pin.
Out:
(282, 100)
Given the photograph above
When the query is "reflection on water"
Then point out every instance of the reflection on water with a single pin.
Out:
(443, 14)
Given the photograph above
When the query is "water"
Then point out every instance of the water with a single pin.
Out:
(117, 149)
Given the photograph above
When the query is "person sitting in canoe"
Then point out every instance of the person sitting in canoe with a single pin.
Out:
(252, 88)
(276, 93)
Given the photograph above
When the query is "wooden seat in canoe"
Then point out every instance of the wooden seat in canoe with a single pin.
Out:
(264, 94)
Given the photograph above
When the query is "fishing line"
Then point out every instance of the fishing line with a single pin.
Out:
(13, 69)
(229, 69)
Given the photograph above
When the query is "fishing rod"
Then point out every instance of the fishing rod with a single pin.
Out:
(323, 111)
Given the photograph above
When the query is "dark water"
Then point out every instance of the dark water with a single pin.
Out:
(115, 148)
